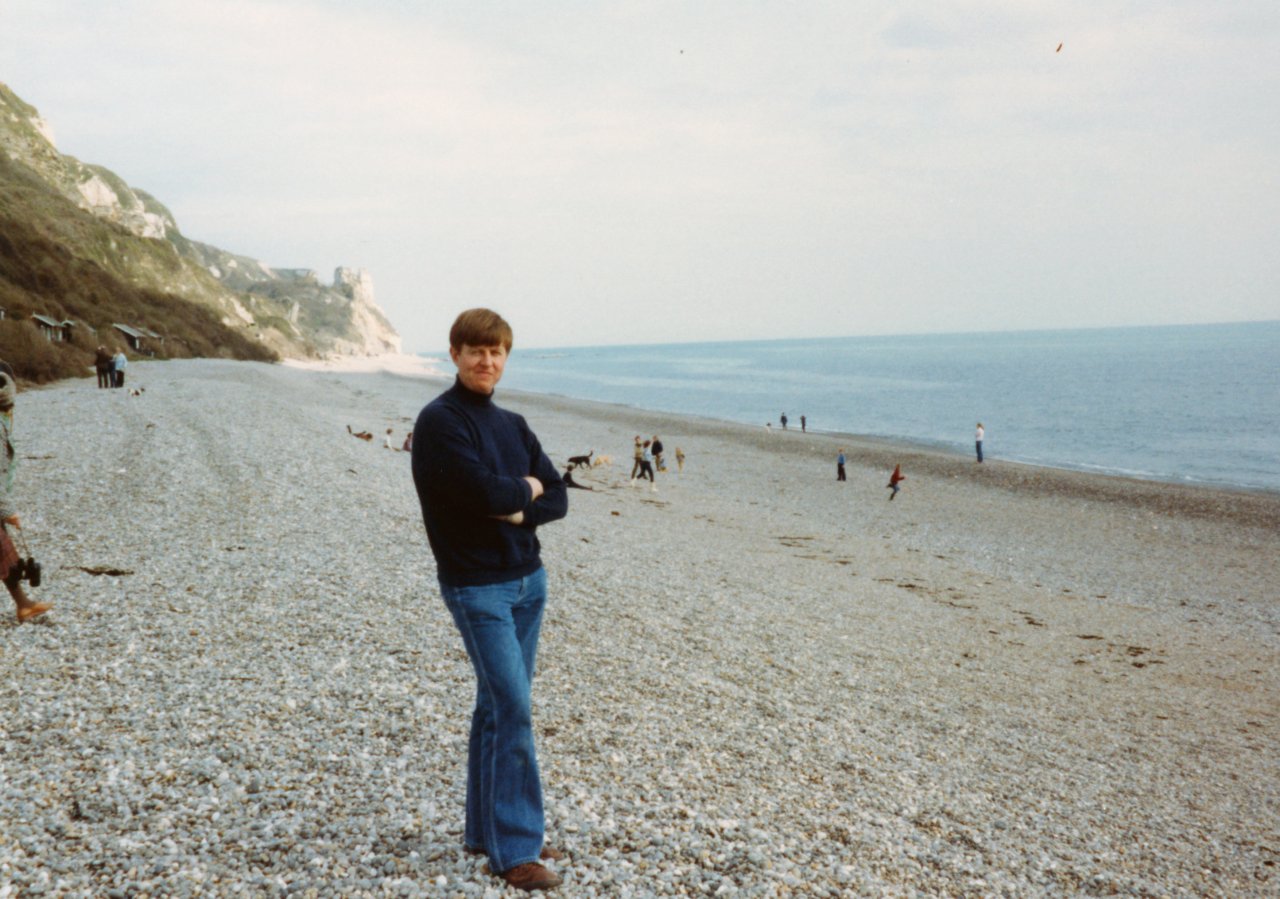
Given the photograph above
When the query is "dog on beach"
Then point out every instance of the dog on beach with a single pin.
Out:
(601, 460)
(584, 461)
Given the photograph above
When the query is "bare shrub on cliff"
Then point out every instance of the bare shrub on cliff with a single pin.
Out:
(36, 358)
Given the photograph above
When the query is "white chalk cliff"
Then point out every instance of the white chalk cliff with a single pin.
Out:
(287, 309)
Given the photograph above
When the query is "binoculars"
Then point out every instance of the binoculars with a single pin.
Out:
(28, 570)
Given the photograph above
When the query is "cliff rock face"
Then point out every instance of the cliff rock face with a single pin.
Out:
(287, 309)
(376, 334)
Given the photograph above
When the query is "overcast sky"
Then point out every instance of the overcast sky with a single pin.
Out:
(659, 172)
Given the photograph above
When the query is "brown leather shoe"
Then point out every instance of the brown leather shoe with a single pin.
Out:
(531, 876)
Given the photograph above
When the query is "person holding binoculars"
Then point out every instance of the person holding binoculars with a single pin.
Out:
(13, 568)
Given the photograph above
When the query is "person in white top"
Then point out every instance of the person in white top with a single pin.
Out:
(977, 439)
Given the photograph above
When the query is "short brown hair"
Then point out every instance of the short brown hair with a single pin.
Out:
(480, 327)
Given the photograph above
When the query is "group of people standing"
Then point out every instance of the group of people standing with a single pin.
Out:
(648, 456)
(110, 367)
(804, 422)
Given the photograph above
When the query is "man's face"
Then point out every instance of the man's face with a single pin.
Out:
(479, 367)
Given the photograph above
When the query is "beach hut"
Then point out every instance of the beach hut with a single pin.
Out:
(137, 337)
(53, 329)
(132, 336)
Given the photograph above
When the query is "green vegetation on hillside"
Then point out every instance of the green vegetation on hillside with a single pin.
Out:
(57, 260)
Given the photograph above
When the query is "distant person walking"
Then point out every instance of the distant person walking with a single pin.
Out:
(978, 437)
(840, 466)
(12, 570)
(804, 425)
(679, 460)
(894, 480)
(121, 362)
(656, 449)
(783, 419)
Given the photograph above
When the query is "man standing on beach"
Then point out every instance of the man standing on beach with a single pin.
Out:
(485, 485)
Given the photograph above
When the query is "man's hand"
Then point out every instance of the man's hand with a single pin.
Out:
(536, 486)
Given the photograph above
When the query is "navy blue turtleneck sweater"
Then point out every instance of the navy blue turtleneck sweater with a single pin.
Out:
(470, 459)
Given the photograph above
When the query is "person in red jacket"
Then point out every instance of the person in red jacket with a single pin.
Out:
(894, 479)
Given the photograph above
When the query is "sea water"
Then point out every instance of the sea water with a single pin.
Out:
(1194, 404)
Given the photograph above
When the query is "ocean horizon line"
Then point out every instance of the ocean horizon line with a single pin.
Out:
(443, 354)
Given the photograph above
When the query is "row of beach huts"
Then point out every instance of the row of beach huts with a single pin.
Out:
(137, 338)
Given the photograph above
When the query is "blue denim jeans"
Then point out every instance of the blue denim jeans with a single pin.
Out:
(499, 624)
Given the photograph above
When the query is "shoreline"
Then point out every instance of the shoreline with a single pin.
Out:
(422, 367)
(1253, 507)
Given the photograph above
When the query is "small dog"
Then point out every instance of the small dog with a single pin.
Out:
(600, 461)
(584, 461)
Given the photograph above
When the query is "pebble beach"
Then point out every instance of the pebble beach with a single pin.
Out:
(753, 681)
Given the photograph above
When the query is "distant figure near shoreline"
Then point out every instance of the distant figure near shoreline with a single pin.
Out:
(840, 465)
(894, 480)
(978, 436)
